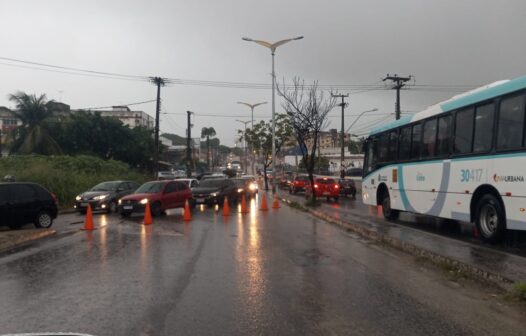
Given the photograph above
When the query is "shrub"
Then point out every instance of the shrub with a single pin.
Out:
(66, 176)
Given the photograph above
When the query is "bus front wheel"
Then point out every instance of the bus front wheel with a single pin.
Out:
(490, 219)
(389, 214)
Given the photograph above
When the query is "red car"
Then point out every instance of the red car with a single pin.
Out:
(298, 184)
(161, 195)
(324, 187)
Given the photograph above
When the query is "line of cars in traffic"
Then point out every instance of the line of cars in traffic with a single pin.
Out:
(126, 197)
(323, 186)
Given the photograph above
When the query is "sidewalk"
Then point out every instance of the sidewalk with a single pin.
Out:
(486, 262)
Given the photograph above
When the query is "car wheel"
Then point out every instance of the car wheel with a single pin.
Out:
(328, 199)
(192, 203)
(43, 220)
(112, 207)
(156, 209)
(82, 212)
(490, 219)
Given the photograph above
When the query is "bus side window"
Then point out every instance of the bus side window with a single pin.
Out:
(429, 138)
(484, 116)
(383, 147)
(444, 135)
(393, 146)
(511, 123)
(404, 143)
(464, 131)
(416, 141)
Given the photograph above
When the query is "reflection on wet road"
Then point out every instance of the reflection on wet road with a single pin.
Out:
(275, 272)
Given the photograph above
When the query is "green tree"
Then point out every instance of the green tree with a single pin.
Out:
(207, 133)
(260, 139)
(90, 133)
(33, 135)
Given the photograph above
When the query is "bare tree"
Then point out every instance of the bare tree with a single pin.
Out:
(307, 108)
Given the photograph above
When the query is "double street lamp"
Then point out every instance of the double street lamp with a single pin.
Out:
(252, 107)
(273, 47)
(245, 164)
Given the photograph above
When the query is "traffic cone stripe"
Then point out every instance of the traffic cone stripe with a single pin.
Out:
(226, 207)
(244, 208)
(88, 223)
(264, 205)
(275, 204)
(147, 215)
(187, 216)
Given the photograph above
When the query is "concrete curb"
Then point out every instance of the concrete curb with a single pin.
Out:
(20, 238)
(363, 231)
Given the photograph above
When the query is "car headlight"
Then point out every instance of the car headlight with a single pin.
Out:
(253, 186)
(214, 194)
(78, 198)
(120, 202)
(240, 190)
(143, 201)
(100, 197)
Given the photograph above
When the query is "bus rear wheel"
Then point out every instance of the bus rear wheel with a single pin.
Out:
(490, 219)
(389, 214)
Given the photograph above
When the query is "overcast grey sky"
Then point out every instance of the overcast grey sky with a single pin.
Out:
(440, 42)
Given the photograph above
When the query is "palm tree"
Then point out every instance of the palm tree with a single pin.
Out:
(207, 132)
(33, 135)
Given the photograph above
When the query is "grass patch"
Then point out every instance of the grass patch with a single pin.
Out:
(312, 203)
(518, 292)
(295, 205)
(450, 271)
(66, 176)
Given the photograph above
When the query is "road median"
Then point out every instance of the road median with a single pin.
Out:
(501, 268)
(10, 239)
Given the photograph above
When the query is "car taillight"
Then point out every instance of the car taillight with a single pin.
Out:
(336, 186)
(316, 186)
(54, 198)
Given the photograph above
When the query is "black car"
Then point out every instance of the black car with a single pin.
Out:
(105, 195)
(22, 203)
(213, 191)
(347, 187)
(245, 186)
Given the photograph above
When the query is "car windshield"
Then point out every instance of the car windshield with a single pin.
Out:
(105, 186)
(212, 183)
(240, 182)
(150, 188)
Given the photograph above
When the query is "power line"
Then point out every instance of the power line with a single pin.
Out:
(354, 88)
(130, 104)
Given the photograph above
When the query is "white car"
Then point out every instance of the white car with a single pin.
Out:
(191, 182)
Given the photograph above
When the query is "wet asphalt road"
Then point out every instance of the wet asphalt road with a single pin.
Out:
(276, 273)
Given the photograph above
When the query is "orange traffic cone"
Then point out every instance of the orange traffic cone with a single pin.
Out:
(147, 215)
(187, 216)
(226, 207)
(88, 223)
(244, 208)
(379, 210)
(275, 204)
(264, 205)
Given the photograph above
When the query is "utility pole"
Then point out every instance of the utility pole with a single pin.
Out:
(158, 81)
(398, 84)
(342, 135)
(188, 148)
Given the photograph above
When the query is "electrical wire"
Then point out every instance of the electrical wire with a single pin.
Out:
(130, 104)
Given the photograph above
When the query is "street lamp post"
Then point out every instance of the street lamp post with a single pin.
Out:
(273, 47)
(252, 106)
(358, 117)
(245, 143)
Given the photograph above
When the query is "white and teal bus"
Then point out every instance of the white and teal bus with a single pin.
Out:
(462, 159)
